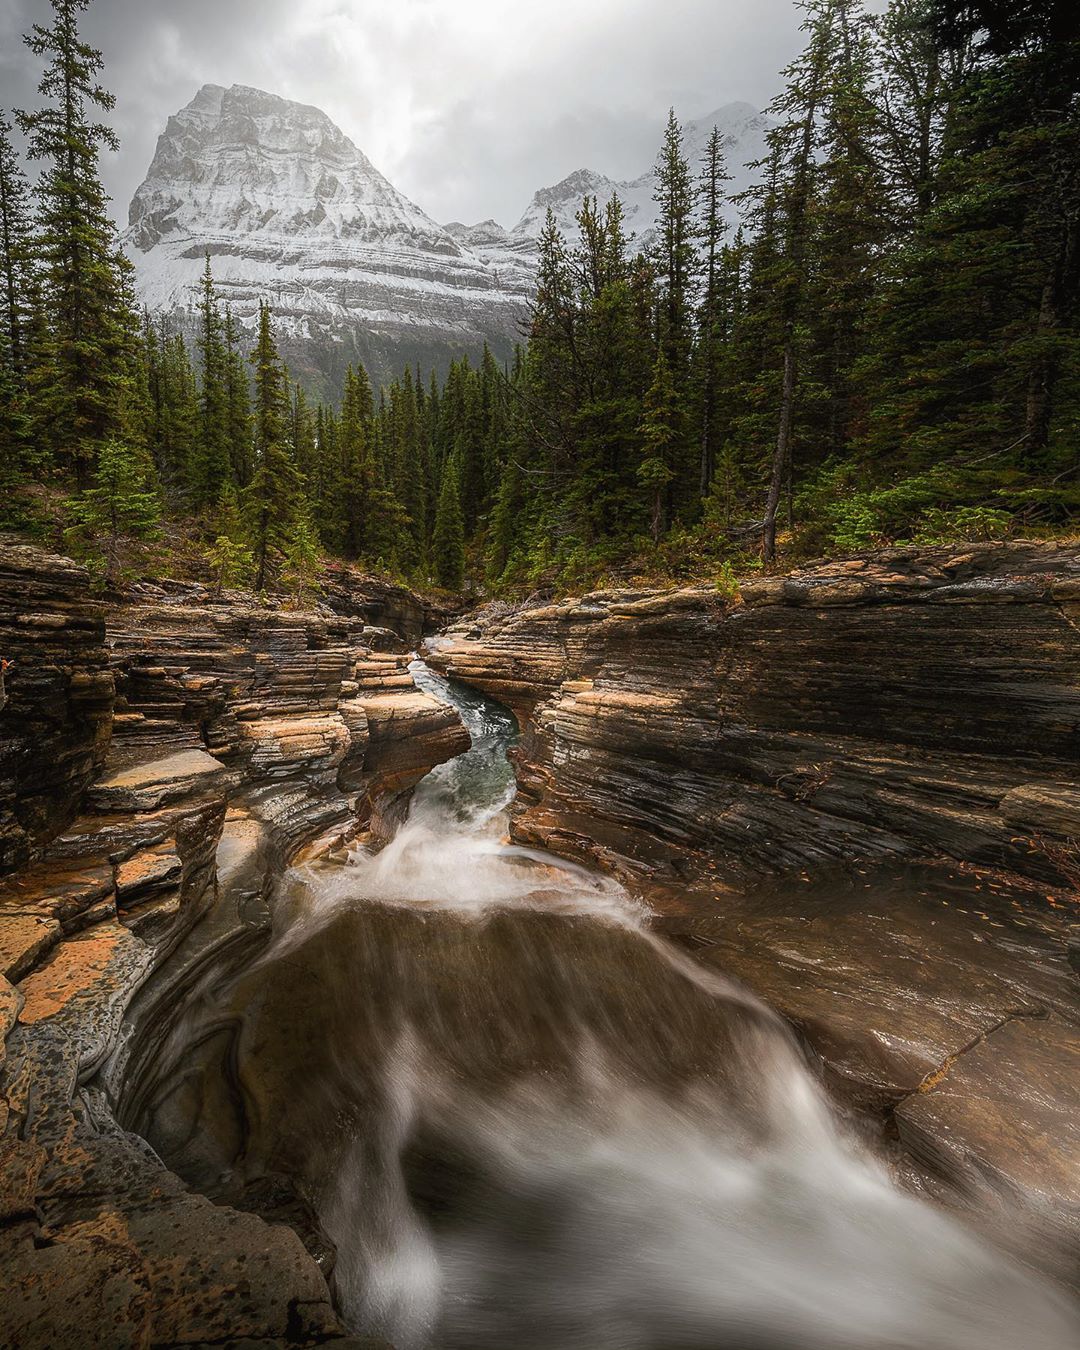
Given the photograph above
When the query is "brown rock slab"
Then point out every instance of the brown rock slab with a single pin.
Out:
(1008, 1108)
(24, 939)
(153, 783)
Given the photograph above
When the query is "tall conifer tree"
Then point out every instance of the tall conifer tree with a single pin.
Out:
(75, 240)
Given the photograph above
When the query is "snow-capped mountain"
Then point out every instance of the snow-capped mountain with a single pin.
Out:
(291, 211)
(743, 130)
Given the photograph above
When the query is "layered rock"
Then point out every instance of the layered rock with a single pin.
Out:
(55, 698)
(853, 787)
(239, 735)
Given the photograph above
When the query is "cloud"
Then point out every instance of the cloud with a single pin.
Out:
(467, 106)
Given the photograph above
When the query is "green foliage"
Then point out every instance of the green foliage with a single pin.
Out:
(448, 542)
(120, 512)
(727, 583)
(80, 372)
(974, 523)
(232, 563)
(276, 511)
(886, 350)
(300, 564)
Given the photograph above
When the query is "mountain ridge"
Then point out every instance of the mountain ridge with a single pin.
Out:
(291, 210)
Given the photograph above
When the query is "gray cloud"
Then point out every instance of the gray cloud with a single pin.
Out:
(468, 107)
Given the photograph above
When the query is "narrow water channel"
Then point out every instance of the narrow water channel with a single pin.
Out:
(525, 1123)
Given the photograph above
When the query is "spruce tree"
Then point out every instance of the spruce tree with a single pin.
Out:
(17, 456)
(448, 541)
(711, 190)
(82, 294)
(660, 427)
(276, 510)
(793, 144)
(212, 466)
(238, 404)
(15, 255)
(120, 511)
(178, 415)
(676, 262)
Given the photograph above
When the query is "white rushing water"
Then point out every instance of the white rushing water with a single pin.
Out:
(656, 1169)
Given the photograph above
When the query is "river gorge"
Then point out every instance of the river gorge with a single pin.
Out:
(652, 969)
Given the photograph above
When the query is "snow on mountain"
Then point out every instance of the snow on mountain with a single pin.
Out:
(743, 130)
(291, 211)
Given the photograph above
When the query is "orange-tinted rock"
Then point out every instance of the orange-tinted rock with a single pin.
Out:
(219, 707)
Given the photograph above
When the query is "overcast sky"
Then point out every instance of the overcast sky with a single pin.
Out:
(468, 106)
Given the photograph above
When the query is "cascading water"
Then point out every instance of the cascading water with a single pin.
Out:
(527, 1124)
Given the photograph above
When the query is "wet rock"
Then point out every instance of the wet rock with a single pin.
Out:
(819, 718)
(853, 718)
(58, 697)
(153, 783)
(171, 722)
(1006, 1108)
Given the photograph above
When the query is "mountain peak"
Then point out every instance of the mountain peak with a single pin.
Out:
(291, 210)
(743, 130)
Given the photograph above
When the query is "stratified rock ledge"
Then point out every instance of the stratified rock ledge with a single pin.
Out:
(855, 788)
(162, 761)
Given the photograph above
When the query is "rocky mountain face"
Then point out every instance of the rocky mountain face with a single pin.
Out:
(292, 212)
(166, 758)
(513, 251)
(853, 788)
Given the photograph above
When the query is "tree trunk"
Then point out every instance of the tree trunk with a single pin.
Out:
(782, 454)
(1041, 379)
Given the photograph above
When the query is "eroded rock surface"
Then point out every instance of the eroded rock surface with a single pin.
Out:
(855, 788)
(164, 760)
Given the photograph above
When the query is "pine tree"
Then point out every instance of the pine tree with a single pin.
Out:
(711, 188)
(675, 253)
(176, 403)
(660, 428)
(238, 404)
(15, 256)
(304, 446)
(120, 511)
(793, 144)
(676, 262)
(230, 557)
(16, 424)
(212, 466)
(448, 542)
(470, 451)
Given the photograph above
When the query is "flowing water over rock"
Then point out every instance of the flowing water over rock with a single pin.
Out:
(525, 1122)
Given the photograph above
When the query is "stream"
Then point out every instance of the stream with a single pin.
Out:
(525, 1122)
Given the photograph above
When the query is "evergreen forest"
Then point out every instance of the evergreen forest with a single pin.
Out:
(886, 350)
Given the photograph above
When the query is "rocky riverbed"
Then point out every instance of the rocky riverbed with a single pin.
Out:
(852, 788)
(164, 758)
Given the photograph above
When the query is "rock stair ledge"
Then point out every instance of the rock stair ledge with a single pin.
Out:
(161, 761)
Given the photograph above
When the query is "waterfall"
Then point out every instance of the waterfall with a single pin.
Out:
(526, 1123)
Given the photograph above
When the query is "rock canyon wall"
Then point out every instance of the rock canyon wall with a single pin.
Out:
(854, 787)
(164, 759)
